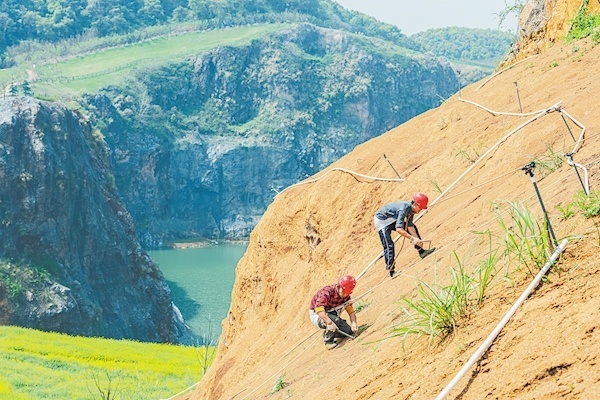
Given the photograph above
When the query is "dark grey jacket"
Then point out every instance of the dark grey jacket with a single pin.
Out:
(401, 211)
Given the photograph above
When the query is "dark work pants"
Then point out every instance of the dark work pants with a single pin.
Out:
(342, 325)
(385, 235)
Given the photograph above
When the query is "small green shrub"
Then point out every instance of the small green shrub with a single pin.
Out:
(584, 25)
(361, 305)
(437, 187)
(567, 212)
(588, 204)
(279, 384)
(470, 155)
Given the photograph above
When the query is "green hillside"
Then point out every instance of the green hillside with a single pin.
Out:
(475, 47)
(40, 365)
(90, 72)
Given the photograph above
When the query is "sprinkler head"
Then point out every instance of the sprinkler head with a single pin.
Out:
(528, 168)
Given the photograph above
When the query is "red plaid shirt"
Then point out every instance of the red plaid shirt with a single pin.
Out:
(328, 298)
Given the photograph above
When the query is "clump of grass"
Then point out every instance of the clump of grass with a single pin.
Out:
(361, 305)
(485, 272)
(437, 308)
(437, 186)
(526, 243)
(279, 384)
(470, 155)
(589, 205)
(567, 211)
(548, 162)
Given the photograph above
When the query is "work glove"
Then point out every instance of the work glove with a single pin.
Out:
(354, 327)
(414, 240)
(331, 327)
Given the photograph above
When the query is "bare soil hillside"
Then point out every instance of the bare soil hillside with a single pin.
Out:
(315, 232)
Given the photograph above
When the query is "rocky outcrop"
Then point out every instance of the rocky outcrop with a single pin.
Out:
(217, 136)
(542, 23)
(70, 258)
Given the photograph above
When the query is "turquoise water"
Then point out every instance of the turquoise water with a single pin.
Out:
(201, 281)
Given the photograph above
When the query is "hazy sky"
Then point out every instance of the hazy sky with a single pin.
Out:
(413, 16)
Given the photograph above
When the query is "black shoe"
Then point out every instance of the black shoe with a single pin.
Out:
(392, 272)
(328, 336)
(425, 253)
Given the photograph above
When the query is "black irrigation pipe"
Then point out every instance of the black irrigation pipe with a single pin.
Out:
(571, 162)
(529, 171)
(568, 127)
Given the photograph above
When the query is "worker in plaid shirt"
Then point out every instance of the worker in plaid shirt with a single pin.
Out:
(327, 305)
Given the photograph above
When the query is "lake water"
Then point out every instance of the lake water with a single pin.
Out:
(201, 281)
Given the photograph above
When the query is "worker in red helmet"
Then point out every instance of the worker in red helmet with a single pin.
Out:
(327, 305)
(398, 216)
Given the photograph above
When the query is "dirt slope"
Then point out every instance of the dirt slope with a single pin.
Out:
(313, 233)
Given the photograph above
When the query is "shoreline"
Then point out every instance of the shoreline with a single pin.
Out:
(195, 244)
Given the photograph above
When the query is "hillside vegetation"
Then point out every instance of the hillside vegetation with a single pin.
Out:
(473, 53)
(42, 365)
(26, 24)
(483, 47)
(89, 72)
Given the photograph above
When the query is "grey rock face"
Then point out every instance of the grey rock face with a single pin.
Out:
(221, 133)
(70, 258)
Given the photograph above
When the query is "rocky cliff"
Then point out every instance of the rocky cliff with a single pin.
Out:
(201, 147)
(69, 257)
(543, 24)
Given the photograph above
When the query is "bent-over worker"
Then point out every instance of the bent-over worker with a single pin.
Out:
(326, 307)
(398, 216)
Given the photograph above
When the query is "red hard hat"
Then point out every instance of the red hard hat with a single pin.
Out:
(347, 282)
(421, 200)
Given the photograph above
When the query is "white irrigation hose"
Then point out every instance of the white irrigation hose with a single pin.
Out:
(499, 112)
(540, 114)
(579, 124)
(488, 342)
(585, 173)
(578, 144)
(343, 170)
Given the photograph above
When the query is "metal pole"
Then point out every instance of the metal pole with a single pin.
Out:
(384, 156)
(529, 171)
(518, 97)
(568, 127)
(570, 158)
(345, 334)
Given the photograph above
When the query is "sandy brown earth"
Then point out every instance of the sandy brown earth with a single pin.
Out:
(315, 232)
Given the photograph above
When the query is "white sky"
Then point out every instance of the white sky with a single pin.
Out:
(413, 16)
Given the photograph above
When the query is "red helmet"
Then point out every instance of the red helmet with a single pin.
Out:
(421, 200)
(347, 282)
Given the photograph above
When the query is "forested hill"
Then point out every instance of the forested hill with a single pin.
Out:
(484, 47)
(473, 53)
(29, 22)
